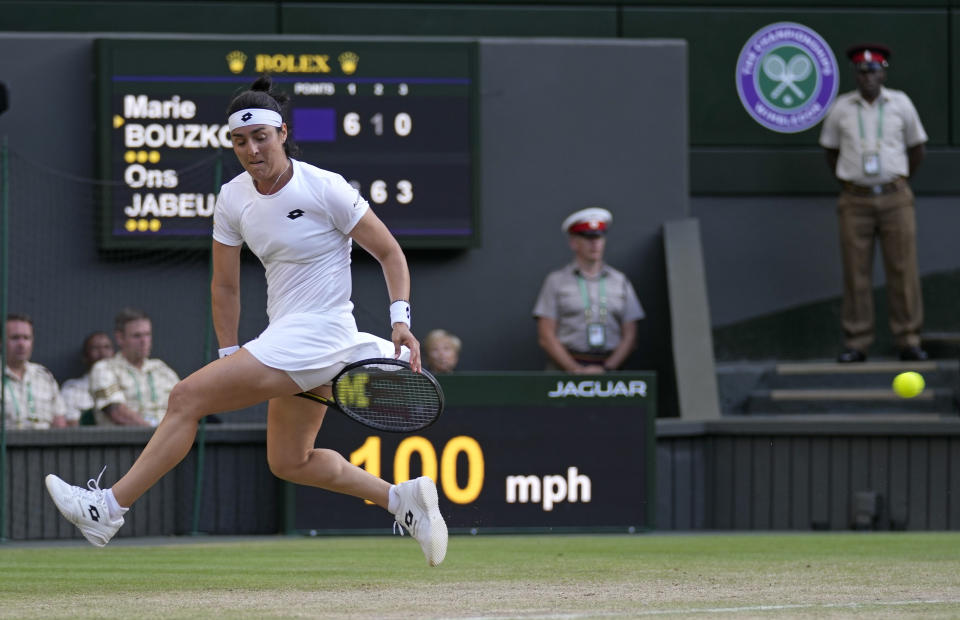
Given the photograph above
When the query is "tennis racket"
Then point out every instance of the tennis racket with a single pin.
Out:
(385, 394)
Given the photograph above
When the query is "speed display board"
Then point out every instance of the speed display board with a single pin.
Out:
(395, 118)
(557, 453)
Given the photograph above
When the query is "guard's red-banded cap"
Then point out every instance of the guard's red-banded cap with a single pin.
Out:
(590, 222)
(869, 55)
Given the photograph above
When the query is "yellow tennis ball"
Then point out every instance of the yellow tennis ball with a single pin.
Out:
(908, 384)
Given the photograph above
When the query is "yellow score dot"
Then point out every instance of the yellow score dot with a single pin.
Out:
(142, 157)
(142, 224)
(154, 157)
(154, 225)
(130, 157)
(130, 225)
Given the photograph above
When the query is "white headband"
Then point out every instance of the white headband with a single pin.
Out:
(254, 116)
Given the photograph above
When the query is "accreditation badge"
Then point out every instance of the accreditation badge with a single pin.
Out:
(596, 335)
(871, 164)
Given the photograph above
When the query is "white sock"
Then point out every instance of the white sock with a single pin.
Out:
(393, 500)
(113, 507)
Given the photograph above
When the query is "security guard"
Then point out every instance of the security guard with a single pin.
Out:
(587, 312)
(874, 142)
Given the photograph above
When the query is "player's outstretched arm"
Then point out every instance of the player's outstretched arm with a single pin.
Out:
(373, 236)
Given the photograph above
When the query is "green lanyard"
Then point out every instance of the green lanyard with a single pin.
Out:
(587, 306)
(153, 389)
(31, 405)
(863, 134)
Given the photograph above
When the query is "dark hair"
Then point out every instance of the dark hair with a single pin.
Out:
(91, 336)
(126, 315)
(261, 95)
(84, 360)
(19, 316)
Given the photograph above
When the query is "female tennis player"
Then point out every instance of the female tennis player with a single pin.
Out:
(300, 221)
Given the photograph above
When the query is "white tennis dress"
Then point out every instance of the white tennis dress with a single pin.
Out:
(300, 236)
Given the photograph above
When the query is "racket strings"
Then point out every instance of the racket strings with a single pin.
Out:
(389, 397)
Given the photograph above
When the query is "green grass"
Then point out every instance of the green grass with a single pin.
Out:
(893, 575)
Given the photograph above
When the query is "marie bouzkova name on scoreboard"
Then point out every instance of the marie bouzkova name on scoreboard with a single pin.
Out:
(396, 119)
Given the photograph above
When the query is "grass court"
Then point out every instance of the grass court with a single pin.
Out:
(793, 575)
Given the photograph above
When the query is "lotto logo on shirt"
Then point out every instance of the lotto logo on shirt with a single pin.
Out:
(787, 77)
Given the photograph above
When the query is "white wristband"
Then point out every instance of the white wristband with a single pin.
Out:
(400, 312)
(228, 350)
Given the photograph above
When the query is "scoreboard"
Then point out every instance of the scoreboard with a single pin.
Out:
(396, 118)
(512, 451)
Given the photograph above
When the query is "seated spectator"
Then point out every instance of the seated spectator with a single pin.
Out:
(441, 351)
(76, 392)
(31, 394)
(130, 388)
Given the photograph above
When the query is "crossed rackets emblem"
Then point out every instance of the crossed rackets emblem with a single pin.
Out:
(787, 74)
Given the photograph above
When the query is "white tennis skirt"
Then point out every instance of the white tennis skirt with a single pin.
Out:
(313, 348)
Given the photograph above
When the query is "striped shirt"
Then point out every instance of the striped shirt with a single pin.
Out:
(33, 401)
(145, 390)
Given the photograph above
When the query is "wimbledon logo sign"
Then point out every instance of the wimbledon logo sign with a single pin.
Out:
(787, 77)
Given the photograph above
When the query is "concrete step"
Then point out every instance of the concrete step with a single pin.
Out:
(824, 386)
(941, 344)
(848, 401)
(868, 374)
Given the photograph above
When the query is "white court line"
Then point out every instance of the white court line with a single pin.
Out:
(706, 610)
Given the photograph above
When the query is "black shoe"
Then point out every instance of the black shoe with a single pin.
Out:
(913, 354)
(849, 355)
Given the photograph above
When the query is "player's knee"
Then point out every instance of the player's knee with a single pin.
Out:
(182, 403)
(279, 469)
(316, 468)
(286, 467)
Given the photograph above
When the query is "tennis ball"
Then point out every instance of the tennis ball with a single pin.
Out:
(908, 384)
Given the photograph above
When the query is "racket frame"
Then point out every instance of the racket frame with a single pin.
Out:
(400, 364)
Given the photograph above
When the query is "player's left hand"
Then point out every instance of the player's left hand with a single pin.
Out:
(403, 336)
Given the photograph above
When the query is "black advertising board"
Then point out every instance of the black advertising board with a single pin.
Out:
(559, 453)
(396, 118)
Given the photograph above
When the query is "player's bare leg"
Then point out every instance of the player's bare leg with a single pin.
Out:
(292, 427)
(228, 384)
(232, 383)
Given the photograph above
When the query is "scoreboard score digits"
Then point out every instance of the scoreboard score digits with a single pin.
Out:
(395, 118)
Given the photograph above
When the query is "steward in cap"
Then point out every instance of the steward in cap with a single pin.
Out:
(587, 311)
(874, 141)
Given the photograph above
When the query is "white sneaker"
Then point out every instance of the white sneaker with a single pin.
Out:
(420, 514)
(87, 509)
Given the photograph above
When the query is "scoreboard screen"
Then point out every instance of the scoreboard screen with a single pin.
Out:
(396, 118)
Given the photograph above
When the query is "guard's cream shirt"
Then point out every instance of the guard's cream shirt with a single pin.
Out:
(145, 389)
(561, 299)
(901, 129)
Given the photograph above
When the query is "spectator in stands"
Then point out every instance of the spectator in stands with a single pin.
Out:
(874, 142)
(587, 312)
(31, 394)
(441, 351)
(76, 392)
(130, 388)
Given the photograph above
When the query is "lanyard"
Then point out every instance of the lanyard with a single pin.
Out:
(136, 384)
(29, 414)
(863, 134)
(587, 306)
